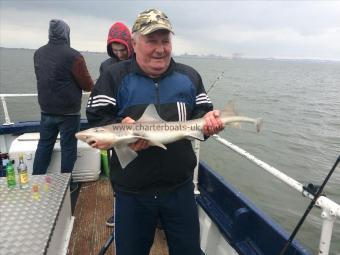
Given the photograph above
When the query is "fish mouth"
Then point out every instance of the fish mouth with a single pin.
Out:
(85, 138)
(90, 140)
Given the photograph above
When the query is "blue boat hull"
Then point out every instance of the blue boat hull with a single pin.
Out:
(248, 230)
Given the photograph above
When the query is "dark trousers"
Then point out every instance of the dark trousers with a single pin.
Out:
(136, 220)
(50, 126)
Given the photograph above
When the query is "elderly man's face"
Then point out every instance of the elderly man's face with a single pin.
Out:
(153, 52)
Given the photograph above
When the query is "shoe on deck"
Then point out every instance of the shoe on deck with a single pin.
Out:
(110, 222)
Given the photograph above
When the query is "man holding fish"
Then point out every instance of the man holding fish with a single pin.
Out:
(152, 180)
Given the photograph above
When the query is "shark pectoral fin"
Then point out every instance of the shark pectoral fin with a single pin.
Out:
(125, 155)
(195, 135)
(155, 143)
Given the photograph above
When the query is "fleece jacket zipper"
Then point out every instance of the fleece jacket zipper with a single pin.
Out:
(158, 97)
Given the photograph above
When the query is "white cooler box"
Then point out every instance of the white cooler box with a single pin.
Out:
(86, 168)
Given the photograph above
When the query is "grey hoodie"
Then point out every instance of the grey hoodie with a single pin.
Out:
(59, 31)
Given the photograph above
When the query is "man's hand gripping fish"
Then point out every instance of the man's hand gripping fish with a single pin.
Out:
(156, 131)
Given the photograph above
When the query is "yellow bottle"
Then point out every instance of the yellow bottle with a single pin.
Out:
(22, 172)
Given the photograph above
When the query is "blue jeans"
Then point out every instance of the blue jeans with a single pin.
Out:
(50, 126)
(137, 215)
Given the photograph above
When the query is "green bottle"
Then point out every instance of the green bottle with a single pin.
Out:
(10, 175)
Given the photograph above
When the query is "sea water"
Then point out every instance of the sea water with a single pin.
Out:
(299, 102)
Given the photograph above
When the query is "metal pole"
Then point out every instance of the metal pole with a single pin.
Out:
(278, 174)
(4, 105)
(326, 232)
(7, 118)
(197, 152)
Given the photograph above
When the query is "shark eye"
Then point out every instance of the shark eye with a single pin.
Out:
(99, 129)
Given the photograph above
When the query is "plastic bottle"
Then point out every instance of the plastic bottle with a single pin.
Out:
(22, 172)
(36, 191)
(47, 183)
(10, 175)
(4, 160)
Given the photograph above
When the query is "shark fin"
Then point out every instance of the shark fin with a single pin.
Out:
(150, 115)
(229, 110)
(195, 135)
(155, 143)
(131, 139)
(125, 155)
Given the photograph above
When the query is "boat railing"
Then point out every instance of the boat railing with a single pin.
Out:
(5, 109)
(330, 210)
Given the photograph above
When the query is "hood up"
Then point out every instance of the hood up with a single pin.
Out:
(59, 32)
(119, 33)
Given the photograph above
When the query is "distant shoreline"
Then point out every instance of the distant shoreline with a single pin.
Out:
(211, 56)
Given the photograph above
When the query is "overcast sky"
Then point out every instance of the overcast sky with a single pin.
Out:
(279, 29)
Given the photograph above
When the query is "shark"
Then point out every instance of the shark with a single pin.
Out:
(158, 132)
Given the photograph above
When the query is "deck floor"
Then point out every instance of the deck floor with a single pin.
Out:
(93, 207)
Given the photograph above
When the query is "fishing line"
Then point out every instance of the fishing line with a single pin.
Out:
(214, 82)
(309, 208)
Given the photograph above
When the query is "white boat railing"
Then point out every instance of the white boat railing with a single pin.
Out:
(4, 105)
(5, 109)
(330, 210)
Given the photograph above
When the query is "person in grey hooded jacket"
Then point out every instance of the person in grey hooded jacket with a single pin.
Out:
(62, 75)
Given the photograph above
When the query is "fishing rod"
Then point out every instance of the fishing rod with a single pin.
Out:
(214, 82)
(309, 208)
(107, 244)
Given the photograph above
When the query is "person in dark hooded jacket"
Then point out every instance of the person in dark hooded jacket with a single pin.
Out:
(62, 75)
(118, 46)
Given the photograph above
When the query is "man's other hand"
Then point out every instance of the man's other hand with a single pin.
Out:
(213, 123)
(140, 144)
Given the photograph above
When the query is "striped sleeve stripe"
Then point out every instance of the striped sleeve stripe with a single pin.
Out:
(182, 113)
(203, 99)
(202, 95)
(204, 102)
(98, 104)
(95, 101)
(104, 96)
(101, 100)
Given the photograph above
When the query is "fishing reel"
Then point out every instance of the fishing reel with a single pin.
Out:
(311, 189)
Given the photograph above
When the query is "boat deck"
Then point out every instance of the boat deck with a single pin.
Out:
(93, 207)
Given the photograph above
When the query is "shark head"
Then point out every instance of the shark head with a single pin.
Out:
(93, 135)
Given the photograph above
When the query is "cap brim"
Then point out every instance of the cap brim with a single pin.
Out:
(151, 29)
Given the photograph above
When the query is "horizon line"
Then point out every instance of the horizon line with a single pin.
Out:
(190, 55)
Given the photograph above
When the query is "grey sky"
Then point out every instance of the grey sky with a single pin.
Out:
(280, 29)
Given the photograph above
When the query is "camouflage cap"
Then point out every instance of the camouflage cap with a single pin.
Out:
(151, 20)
